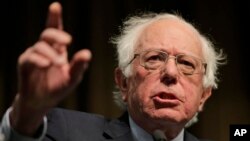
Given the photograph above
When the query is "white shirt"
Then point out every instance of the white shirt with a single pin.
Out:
(141, 135)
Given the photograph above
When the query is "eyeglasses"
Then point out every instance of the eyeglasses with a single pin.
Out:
(156, 59)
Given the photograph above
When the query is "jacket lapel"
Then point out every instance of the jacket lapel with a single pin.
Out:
(189, 137)
(118, 129)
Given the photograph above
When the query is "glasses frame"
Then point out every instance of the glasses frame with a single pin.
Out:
(203, 63)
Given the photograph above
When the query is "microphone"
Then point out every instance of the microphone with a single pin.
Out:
(159, 135)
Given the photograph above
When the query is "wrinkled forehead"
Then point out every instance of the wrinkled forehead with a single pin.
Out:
(171, 35)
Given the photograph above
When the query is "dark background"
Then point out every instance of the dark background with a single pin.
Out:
(93, 22)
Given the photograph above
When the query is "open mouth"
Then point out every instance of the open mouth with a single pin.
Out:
(166, 99)
(166, 96)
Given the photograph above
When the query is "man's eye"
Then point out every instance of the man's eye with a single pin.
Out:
(154, 58)
(186, 63)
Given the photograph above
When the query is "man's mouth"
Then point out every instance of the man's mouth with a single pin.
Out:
(166, 96)
(167, 99)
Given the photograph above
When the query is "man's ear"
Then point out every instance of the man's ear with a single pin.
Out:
(120, 80)
(205, 95)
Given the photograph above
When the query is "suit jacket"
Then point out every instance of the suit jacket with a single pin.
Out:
(67, 125)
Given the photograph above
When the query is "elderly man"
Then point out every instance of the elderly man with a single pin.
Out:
(166, 72)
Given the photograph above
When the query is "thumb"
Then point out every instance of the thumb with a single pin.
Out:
(79, 64)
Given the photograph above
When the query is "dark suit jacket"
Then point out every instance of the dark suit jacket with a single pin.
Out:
(67, 125)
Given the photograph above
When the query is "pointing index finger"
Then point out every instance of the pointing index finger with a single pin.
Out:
(54, 18)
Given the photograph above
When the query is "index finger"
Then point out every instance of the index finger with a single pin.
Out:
(54, 18)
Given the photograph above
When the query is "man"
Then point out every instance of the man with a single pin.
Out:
(166, 72)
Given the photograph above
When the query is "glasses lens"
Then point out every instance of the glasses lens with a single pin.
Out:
(187, 64)
(153, 59)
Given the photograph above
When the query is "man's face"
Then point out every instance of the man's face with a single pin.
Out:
(165, 95)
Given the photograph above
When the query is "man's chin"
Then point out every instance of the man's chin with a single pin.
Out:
(168, 116)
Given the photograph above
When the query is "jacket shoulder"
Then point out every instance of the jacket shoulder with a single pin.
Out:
(74, 125)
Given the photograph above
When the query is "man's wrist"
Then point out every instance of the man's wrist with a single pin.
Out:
(10, 134)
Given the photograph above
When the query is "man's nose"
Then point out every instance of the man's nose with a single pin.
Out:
(169, 72)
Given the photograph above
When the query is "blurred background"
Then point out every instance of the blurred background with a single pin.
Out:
(93, 22)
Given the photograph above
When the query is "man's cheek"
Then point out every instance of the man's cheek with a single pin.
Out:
(190, 108)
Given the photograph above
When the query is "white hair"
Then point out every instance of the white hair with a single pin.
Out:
(131, 31)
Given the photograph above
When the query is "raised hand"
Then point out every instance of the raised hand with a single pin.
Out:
(45, 74)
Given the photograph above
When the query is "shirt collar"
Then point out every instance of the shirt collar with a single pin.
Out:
(141, 135)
